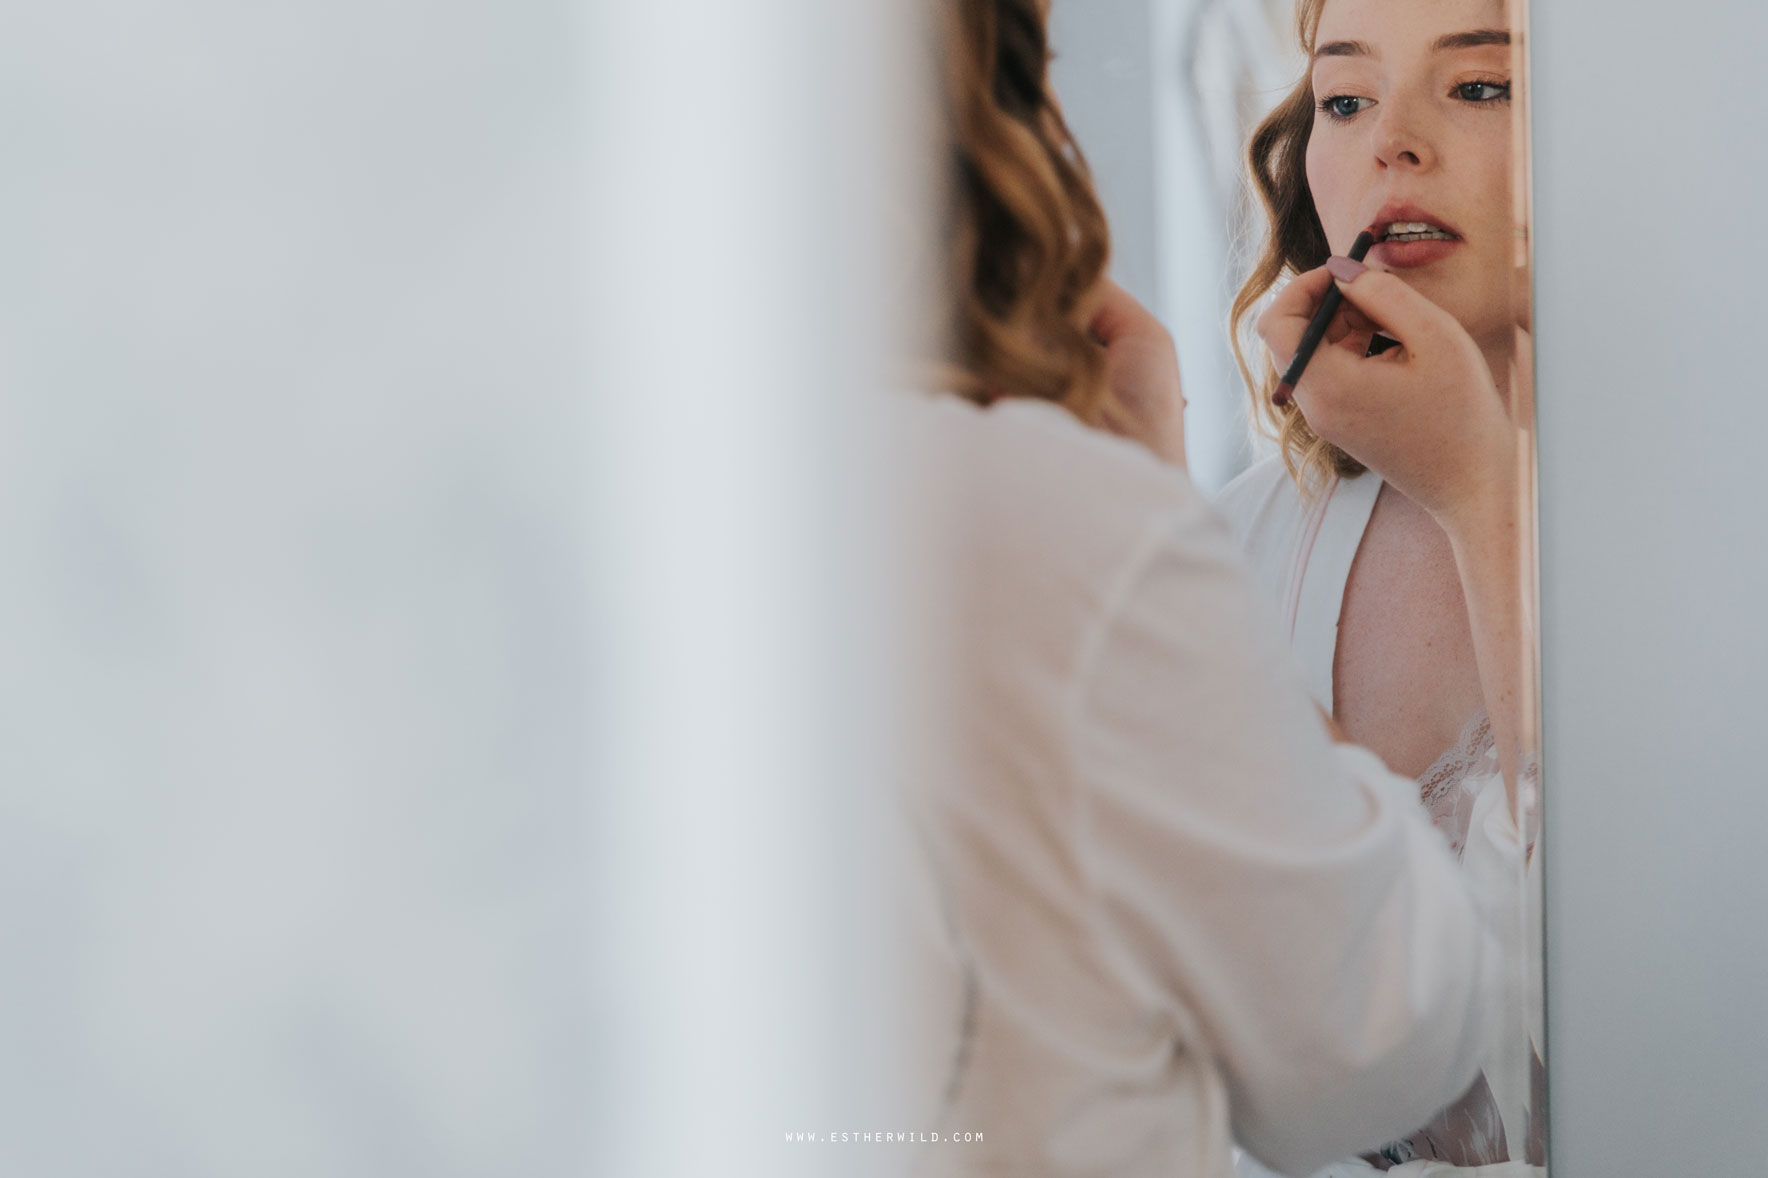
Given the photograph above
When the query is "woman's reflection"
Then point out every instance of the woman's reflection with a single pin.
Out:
(1392, 526)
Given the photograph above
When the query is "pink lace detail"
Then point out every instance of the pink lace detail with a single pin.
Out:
(1449, 786)
(1469, 1132)
(1457, 778)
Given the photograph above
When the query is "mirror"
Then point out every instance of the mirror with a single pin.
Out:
(1416, 635)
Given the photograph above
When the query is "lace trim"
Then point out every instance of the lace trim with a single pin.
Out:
(1471, 1131)
(1455, 780)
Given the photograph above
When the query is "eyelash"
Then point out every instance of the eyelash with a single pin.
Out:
(1502, 95)
(1329, 105)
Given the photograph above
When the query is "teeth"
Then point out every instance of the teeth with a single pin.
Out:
(1416, 231)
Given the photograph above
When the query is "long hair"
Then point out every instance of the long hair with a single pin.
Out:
(1026, 240)
(1295, 242)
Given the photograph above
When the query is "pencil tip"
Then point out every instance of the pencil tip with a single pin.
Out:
(1281, 397)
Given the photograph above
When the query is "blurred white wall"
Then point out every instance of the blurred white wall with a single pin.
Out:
(755, 224)
(292, 816)
(426, 739)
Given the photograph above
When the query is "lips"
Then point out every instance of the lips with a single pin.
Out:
(1397, 214)
(1408, 236)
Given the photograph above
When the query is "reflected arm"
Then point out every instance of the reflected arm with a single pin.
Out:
(1488, 538)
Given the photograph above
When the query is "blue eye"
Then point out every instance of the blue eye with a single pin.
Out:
(1344, 106)
(1483, 91)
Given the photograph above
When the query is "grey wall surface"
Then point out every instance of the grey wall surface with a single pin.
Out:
(1654, 575)
(1106, 74)
(427, 721)
(1119, 74)
(293, 869)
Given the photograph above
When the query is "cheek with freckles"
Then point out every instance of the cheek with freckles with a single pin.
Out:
(1494, 222)
(1335, 197)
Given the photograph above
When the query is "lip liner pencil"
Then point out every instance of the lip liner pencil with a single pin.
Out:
(1316, 331)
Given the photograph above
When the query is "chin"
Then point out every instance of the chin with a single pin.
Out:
(1458, 296)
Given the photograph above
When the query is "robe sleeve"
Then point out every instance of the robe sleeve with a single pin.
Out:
(1285, 897)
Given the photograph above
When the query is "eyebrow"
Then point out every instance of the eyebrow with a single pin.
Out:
(1469, 40)
(1472, 40)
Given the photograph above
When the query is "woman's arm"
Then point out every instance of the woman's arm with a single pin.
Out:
(1428, 418)
(1487, 538)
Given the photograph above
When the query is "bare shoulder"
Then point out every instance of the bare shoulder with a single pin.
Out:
(1404, 676)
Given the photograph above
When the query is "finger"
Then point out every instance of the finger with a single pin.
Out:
(1357, 321)
(1299, 297)
(1332, 374)
(1343, 387)
(1339, 389)
(1398, 310)
(1354, 342)
(1350, 328)
(1286, 319)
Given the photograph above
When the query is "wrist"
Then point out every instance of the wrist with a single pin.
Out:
(1491, 515)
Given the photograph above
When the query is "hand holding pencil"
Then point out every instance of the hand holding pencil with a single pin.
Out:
(1426, 415)
(1317, 326)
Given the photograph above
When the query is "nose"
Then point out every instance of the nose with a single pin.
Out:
(1401, 141)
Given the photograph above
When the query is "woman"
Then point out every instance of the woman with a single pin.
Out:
(1139, 825)
(1392, 525)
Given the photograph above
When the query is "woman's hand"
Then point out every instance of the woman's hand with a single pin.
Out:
(1426, 416)
(1142, 369)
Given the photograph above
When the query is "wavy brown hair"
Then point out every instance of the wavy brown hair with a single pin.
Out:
(1295, 242)
(1026, 242)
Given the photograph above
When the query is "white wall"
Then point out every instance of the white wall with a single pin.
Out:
(291, 750)
(1654, 577)
(428, 467)
(1119, 72)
